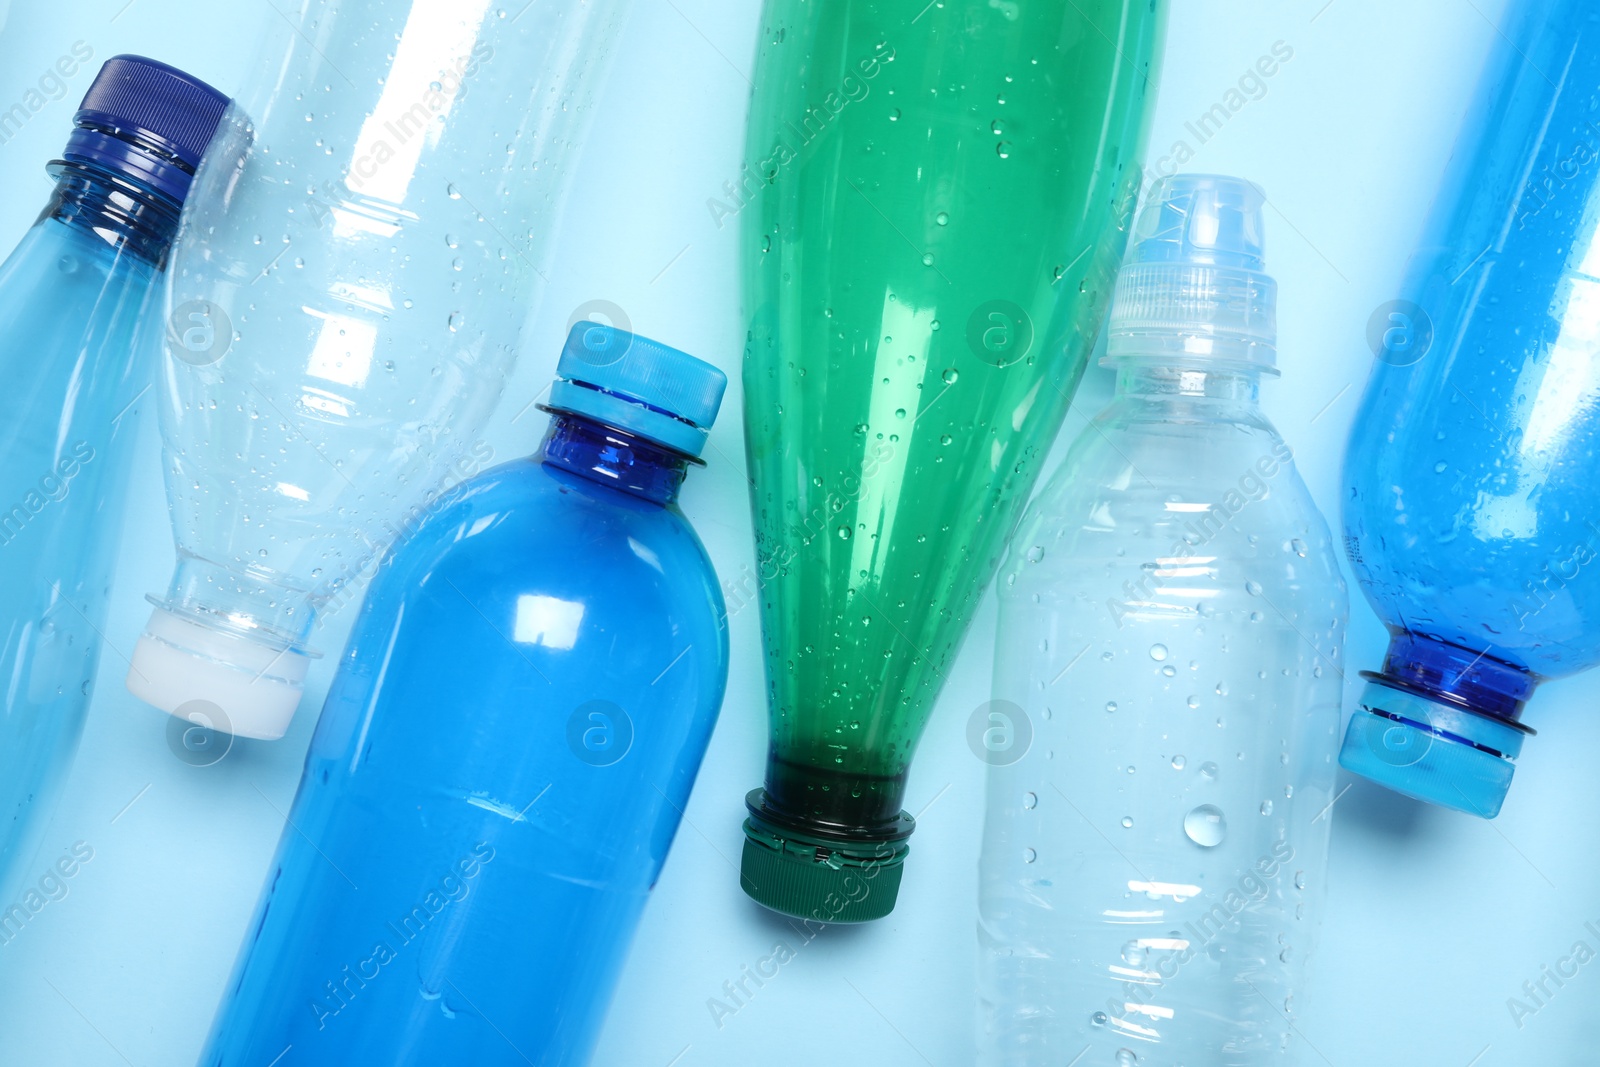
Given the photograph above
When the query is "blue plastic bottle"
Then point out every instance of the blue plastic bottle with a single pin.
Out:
(71, 298)
(506, 750)
(1471, 513)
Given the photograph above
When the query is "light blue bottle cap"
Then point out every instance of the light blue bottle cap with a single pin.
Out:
(635, 384)
(1193, 288)
(1431, 750)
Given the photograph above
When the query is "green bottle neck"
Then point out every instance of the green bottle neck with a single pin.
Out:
(833, 803)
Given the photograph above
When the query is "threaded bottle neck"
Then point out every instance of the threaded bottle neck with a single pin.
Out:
(1151, 380)
(122, 212)
(614, 458)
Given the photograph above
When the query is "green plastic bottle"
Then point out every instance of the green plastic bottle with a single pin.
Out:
(934, 207)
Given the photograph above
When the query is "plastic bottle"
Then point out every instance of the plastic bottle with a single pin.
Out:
(937, 204)
(347, 298)
(506, 750)
(1470, 511)
(72, 295)
(1167, 686)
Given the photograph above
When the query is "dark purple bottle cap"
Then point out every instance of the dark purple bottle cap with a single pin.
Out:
(148, 121)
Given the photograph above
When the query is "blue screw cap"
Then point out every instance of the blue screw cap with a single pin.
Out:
(1432, 751)
(638, 385)
(148, 121)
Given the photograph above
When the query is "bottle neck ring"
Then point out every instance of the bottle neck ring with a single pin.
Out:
(114, 208)
(1466, 678)
(613, 457)
(1197, 381)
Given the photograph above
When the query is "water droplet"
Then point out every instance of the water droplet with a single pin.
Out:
(1193, 702)
(1126, 1057)
(1178, 763)
(927, 259)
(945, 439)
(1127, 822)
(1205, 825)
(452, 192)
(1035, 554)
(1208, 769)
(951, 376)
(1266, 807)
(457, 320)
(1111, 705)
(844, 533)
(942, 218)
(1099, 1018)
(894, 114)
(1003, 149)
(899, 413)
(1253, 588)
(1029, 855)
(1158, 652)
(1440, 467)
(1169, 671)
(996, 127)
(1299, 547)
(1030, 801)
(1299, 879)
(1133, 954)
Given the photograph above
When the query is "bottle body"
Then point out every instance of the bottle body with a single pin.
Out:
(936, 212)
(74, 292)
(1469, 516)
(493, 785)
(1170, 633)
(349, 291)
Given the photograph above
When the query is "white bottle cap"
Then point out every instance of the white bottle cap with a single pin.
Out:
(1194, 287)
(220, 680)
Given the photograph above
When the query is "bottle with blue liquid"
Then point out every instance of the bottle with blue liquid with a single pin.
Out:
(1471, 515)
(506, 750)
(1166, 690)
(73, 364)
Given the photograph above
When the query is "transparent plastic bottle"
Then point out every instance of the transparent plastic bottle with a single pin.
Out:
(74, 362)
(1470, 509)
(506, 751)
(346, 299)
(1167, 689)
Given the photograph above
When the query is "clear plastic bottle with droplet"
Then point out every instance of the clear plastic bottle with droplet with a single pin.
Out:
(1169, 674)
(345, 303)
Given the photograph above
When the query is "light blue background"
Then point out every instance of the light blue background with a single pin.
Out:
(1433, 919)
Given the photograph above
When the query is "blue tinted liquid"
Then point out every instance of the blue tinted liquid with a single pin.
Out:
(71, 297)
(496, 777)
(1471, 512)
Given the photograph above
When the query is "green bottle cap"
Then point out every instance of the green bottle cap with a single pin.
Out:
(821, 877)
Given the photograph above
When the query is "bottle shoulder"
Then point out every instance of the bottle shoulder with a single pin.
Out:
(60, 266)
(524, 526)
(1198, 501)
(1163, 459)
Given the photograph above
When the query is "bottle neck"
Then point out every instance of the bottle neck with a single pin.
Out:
(124, 213)
(1463, 677)
(1165, 381)
(614, 458)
